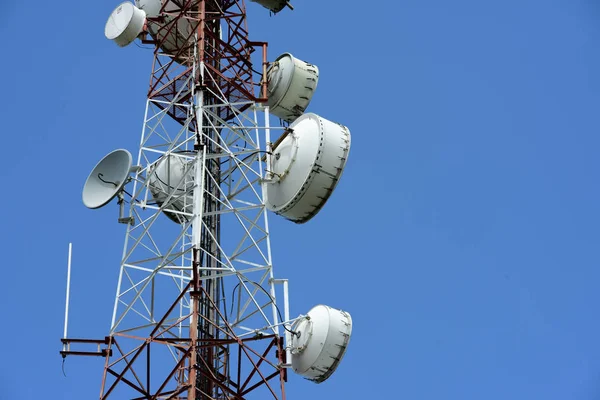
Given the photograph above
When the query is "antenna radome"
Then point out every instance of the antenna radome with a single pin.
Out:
(306, 167)
(125, 24)
(167, 184)
(320, 342)
(291, 85)
(274, 5)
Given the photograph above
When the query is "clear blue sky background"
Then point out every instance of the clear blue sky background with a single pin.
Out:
(463, 237)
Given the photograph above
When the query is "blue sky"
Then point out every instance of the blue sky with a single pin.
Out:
(463, 237)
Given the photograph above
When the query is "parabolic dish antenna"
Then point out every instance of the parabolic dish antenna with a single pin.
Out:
(307, 166)
(125, 24)
(291, 84)
(171, 181)
(320, 342)
(170, 38)
(273, 5)
(107, 179)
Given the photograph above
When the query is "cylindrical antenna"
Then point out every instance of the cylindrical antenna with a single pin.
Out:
(67, 299)
(286, 315)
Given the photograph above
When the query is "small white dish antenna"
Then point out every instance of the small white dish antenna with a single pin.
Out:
(306, 166)
(125, 24)
(291, 84)
(107, 179)
(320, 342)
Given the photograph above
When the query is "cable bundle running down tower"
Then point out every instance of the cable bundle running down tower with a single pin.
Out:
(195, 313)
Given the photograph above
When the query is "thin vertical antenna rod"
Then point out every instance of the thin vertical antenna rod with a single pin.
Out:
(67, 296)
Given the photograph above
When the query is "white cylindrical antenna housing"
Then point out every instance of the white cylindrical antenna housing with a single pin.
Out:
(273, 5)
(125, 24)
(307, 165)
(320, 342)
(170, 181)
(170, 34)
(291, 84)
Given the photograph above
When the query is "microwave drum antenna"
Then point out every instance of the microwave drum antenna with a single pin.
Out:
(273, 5)
(291, 84)
(306, 167)
(173, 175)
(125, 24)
(320, 342)
(171, 39)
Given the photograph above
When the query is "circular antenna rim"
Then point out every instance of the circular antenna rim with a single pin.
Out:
(289, 82)
(88, 197)
(124, 31)
(328, 145)
(325, 334)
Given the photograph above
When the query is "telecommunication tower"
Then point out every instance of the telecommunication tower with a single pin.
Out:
(195, 313)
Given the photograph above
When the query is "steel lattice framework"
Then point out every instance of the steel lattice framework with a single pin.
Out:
(195, 313)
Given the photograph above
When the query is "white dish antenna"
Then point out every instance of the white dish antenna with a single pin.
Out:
(274, 5)
(320, 342)
(306, 167)
(107, 179)
(169, 38)
(291, 84)
(171, 181)
(125, 24)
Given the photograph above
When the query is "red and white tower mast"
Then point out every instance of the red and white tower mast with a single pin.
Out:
(195, 312)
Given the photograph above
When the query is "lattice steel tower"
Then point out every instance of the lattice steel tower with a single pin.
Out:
(195, 312)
